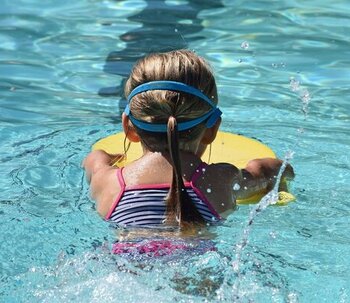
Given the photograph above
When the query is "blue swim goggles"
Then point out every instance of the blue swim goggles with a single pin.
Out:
(212, 116)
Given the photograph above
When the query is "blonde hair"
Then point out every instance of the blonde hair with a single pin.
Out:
(172, 107)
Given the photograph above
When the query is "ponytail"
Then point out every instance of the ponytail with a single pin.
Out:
(180, 207)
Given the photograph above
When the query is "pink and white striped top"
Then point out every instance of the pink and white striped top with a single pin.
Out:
(144, 205)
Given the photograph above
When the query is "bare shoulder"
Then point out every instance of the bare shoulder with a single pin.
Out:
(102, 178)
(227, 170)
(216, 184)
(104, 188)
(96, 160)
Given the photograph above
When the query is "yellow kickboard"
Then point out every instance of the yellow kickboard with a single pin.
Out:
(230, 148)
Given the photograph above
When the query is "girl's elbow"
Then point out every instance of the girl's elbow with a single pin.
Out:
(95, 159)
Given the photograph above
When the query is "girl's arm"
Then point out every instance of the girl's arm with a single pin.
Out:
(101, 176)
(97, 160)
(259, 176)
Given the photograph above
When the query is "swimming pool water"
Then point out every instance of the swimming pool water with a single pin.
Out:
(282, 69)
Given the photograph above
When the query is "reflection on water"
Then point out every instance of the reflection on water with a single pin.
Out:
(56, 56)
(163, 27)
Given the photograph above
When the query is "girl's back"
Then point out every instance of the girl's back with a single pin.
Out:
(137, 193)
(172, 110)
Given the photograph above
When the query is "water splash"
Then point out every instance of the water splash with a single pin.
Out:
(303, 93)
(245, 45)
(236, 187)
(343, 296)
(305, 97)
(278, 65)
(269, 199)
(294, 84)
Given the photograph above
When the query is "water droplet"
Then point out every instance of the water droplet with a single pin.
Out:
(236, 187)
(289, 155)
(240, 60)
(245, 45)
(208, 190)
(222, 204)
(235, 266)
(176, 30)
(305, 96)
(292, 297)
(294, 85)
(245, 187)
(273, 235)
(203, 170)
(191, 164)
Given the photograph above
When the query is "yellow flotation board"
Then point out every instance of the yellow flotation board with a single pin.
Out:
(230, 148)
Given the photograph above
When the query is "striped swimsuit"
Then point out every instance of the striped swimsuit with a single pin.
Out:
(144, 205)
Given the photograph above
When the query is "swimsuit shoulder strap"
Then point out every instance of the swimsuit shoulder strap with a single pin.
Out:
(198, 172)
(120, 177)
(121, 182)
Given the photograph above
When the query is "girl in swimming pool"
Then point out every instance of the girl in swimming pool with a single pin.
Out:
(172, 110)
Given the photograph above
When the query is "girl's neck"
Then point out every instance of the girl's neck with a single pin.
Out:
(156, 168)
(186, 157)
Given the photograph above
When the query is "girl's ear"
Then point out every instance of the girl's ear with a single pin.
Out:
(130, 132)
(210, 133)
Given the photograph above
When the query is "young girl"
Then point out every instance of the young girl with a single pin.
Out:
(172, 110)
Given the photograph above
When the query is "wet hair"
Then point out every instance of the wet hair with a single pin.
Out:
(171, 107)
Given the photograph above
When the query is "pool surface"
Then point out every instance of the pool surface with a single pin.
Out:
(282, 70)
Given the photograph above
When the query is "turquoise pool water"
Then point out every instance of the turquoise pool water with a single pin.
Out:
(282, 69)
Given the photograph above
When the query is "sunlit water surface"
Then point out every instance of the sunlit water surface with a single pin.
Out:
(282, 70)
